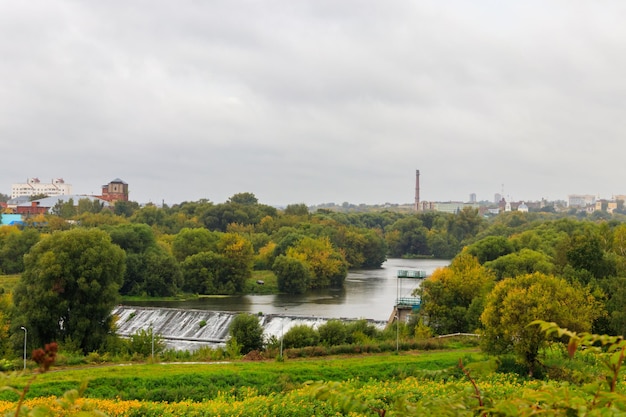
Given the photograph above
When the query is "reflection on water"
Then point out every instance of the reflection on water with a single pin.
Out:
(368, 293)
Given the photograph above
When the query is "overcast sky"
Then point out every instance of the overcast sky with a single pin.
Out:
(315, 101)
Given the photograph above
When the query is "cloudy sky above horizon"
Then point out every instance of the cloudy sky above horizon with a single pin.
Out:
(315, 101)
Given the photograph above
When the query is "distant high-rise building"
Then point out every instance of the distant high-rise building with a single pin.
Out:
(33, 186)
(497, 198)
(472, 197)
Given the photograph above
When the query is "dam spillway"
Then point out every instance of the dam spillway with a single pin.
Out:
(189, 329)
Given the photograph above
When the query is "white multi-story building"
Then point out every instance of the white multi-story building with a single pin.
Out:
(580, 200)
(33, 186)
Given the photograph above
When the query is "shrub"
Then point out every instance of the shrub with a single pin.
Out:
(143, 341)
(361, 331)
(248, 332)
(300, 336)
(333, 332)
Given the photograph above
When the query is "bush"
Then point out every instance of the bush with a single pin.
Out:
(247, 331)
(143, 341)
(300, 336)
(306, 352)
(333, 332)
(361, 331)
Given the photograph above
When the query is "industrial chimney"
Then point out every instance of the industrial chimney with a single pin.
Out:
(417, 190)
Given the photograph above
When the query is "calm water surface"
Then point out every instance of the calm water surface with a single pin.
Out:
(368, 293)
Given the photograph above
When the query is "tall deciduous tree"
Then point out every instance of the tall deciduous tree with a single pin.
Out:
(328, 266)
(68, 288)
(150, 268)
(13, 246)
(490, 248)
(5, 323)
(516, 302)
(523, 262)
(192, 241)
(407, 236)
(292, 275)
(452, 297)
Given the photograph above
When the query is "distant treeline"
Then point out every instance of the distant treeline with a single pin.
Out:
(206, 248)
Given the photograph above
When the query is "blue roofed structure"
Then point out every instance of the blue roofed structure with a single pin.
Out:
(10, 219)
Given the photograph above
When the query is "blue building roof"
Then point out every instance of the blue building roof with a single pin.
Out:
(10, 219)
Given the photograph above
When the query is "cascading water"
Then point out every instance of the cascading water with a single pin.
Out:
(183, 329)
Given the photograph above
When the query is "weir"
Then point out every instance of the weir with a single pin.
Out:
(183, 329)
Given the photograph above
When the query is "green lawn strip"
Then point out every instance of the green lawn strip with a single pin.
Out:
(269, 285)
(197, 382)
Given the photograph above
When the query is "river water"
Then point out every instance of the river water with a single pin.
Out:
(367, 294)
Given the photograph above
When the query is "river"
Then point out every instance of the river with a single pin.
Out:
(368, 294)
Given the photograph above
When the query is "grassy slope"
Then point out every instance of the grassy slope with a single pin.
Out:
(176, 382)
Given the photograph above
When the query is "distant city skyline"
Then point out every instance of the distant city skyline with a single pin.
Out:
(316, 101)
(66, 187)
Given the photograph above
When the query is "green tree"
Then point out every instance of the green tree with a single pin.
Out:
(328, 267)
(450, 296)
(584, 252)
(69, 287)
(292, 275)
(615, 304)
(144, 342)
(442, 244)
(374, 249)
(333, 333)
(86, 205)
(523, 262)
(297, 210)
(407, 236)
(5, 323)
(199, 273)
(13, 247)
(516, 302)
(150, 268)
(150, 215)
(239, 258)
(241, 209)
(287, 239)
(125, 208)
(64, 209)
(490, 248)
(221, 272)
(247, 331)
(192, 241)
(300, 336)
(162, 277)
(619, 240)
(466, 224)
(133, 238)
(246, 199)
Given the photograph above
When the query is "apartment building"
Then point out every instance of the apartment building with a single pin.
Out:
(33, 186)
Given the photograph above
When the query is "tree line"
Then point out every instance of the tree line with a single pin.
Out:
(68, 257)
(77, 260)
(522, 268)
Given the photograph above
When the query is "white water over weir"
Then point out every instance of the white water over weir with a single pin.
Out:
(183, 329)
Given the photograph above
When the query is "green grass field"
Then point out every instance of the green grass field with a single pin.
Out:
(202, 381)
(413, 383)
